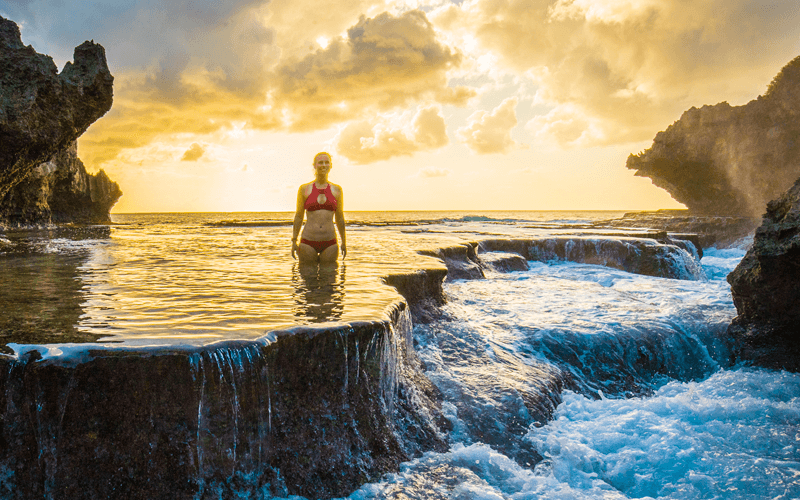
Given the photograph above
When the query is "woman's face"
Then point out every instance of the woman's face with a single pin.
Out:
(322, 163)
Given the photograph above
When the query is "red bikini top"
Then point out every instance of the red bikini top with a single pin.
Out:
(311, 202)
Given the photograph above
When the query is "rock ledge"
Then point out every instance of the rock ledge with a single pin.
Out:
(766, 289)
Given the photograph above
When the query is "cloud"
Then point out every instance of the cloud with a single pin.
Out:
(193, 153)
(565, 125)
(383, 63)
(201, 81)
(375, 140)
(433, 172)
(487, 133)
(235, 72)
(630, 67)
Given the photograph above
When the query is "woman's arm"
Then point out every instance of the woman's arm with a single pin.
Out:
(339, 217)
(300, 212)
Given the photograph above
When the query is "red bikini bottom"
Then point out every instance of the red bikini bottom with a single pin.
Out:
(319, 246)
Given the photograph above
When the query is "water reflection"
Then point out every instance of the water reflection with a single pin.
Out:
(318, 291)
(42, 290)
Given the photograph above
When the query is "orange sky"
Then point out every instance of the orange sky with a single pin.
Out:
(471, 105)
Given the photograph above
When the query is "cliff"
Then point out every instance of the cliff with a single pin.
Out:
(60, 190)
(730, 160)
(766, 289)
(42, 113)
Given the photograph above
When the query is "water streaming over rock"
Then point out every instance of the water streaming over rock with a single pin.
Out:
(555, 361)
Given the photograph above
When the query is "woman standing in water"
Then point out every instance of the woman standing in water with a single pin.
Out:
(322, 201)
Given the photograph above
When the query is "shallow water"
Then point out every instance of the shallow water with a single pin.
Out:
(161, 279)
(652, 407)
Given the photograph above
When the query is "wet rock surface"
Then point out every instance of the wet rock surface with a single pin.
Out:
(313, 412)
(766, 289)
(719, 231)
(668, 258)
(730, 160)
(42, 113)
(461, 260)
(503, 262)
(422, 290)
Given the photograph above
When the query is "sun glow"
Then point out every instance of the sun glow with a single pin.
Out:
(429, 90)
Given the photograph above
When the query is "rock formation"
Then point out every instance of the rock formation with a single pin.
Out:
(730, 160)
(61, 190)
(310, 411)
(766, 289)
(662, 255)
(42, 113)
(719, 231)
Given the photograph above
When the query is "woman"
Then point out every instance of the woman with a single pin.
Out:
(323, 202)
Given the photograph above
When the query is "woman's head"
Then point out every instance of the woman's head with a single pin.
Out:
(320, 157)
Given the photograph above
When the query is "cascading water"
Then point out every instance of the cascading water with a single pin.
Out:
(652, 408)
(315, 411)
(597, 368)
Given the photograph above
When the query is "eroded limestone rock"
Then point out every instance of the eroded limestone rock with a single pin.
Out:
(766, 289)
(42, 113)
(730, 160)
(60, 190)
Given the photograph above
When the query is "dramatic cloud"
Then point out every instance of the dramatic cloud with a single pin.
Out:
(237, 73)
(370, 141)
(194, 153)
(594, 72)
(630, 67)
(487, 133)
(384, 63)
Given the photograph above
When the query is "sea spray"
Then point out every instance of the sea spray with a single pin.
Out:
(733, 435)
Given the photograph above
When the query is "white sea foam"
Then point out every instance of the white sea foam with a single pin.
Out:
(734, 435)
(717, 263)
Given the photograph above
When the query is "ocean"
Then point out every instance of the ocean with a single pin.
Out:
(652, 405)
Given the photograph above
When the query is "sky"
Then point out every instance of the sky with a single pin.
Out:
(423, 104)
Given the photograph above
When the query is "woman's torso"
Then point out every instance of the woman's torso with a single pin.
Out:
(319, 223)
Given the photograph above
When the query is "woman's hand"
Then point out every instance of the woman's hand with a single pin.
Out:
(294, 249)
(344, 250)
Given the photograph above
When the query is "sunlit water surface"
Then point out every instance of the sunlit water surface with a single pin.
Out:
(155, 279)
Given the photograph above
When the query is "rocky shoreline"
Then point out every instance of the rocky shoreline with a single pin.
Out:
(312, 411)
(730, 160)
(766, 289)
(308, 411)
(42, 113)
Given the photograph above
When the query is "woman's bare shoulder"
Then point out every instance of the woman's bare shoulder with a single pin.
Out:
(337, 189)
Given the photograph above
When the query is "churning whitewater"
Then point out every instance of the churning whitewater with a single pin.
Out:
(653, 408)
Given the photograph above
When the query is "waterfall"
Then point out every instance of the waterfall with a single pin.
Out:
(308, 411)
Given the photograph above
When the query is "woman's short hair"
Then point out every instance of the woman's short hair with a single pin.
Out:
(320, 154)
